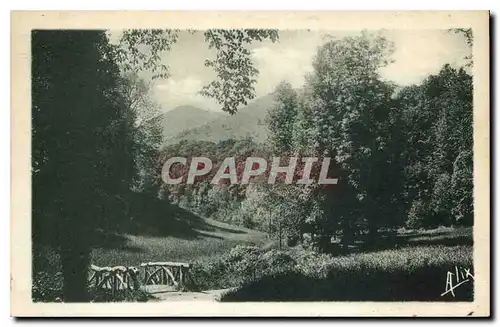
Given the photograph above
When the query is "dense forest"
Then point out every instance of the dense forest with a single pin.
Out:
(403, 155)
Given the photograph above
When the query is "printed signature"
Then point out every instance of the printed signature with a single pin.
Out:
(454, 279)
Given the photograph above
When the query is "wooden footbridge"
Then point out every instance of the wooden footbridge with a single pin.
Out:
(174, 274)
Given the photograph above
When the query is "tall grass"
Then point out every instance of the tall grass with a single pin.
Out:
(138, 249)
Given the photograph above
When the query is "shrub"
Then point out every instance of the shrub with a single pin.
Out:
(313, 264)
(417, 215)
(274, 261)
(240, 265)
(408, 274)
(370, 284)
(47, 287)
(209, 274)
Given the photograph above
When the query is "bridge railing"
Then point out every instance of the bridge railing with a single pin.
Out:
(114, 278)
(128, 278)
(165, 273)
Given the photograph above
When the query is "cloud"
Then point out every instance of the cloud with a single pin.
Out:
(276, 65)
(183, 91)
(420, 53)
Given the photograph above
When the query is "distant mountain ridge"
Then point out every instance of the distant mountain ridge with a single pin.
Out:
(184, 118)
(249, 121)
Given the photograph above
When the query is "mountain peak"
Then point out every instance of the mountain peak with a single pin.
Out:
(187, 108)
(185, 117)
(249, 121)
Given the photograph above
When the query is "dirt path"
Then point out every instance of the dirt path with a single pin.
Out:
(165, 293)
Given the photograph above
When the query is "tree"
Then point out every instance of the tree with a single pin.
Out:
(235, 75)
(438, 130)
(233, 65)
(147, 130)
(80, 144)
(469, 39)
(281, 119)
(462, 187)
(345, 111)
(350, 115)
(274, 207)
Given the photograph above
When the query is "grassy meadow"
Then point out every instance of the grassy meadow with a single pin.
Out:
(214, 239)
(220, 237)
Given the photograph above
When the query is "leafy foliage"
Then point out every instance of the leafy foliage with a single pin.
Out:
(469, 39)
(438, 126)
(235, 74)
(281, 118)
(140, 50)
(81, 141)
(347, 112)
(233, 66)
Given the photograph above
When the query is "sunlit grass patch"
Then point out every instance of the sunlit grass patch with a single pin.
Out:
(207, 243)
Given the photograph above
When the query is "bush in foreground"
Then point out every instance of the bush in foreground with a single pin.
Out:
(48, 288)
(239, 266)
(422, 284)
(407, 274)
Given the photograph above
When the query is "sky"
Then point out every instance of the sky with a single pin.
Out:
(417, 54)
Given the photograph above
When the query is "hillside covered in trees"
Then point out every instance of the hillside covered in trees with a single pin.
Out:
(403, 155)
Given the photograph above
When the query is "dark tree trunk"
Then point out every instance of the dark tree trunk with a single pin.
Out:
(372, 238)
(75, 259)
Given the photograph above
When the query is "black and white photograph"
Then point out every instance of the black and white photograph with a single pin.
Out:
(253, 164)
